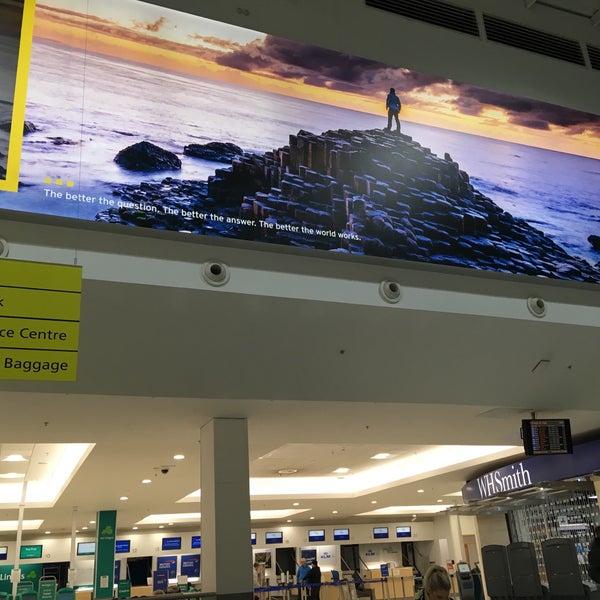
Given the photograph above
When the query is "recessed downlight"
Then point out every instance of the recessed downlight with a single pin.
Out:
(381, 456)
(123, 498)
(146, 480)
(342, 470)
(14, 458)
(179, 457)
(420, 491)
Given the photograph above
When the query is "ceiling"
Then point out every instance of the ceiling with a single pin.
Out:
(301, 344)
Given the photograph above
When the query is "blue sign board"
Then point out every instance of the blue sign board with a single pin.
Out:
(190, 565)
(169, 564)
(534, 471)
(160, 580)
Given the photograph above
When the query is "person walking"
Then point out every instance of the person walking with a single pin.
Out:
(393, 105)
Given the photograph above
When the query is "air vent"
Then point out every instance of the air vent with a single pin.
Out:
(525, 38)
(434, 12)
(594, 54)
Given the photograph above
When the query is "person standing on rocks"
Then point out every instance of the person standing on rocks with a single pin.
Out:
(393, 105)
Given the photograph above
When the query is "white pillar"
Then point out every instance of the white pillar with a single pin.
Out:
(226, 567)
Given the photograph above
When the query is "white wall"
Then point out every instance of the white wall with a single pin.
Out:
(373, 552)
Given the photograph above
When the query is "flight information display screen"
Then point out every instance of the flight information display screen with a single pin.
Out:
(547, 436)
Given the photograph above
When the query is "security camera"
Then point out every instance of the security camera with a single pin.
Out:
(164, 470)
(537, 307)
(390, 291)
(215, 273)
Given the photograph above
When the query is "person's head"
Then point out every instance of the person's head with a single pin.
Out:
(392, 91)
(314, 563)
(303, 562)
(256, 566)
(436, 583)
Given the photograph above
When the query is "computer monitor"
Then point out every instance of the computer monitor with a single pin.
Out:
(122, 546)
(171, 543)
(196, 541)
(463, 567)
(274, 537)
(31, 551)
(380, 533)
(403, 531)
(86, 548)
(3, 552)
(253, 538)
(341, 534)
(316, 535)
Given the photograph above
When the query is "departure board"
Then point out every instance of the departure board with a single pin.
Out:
(547, 436)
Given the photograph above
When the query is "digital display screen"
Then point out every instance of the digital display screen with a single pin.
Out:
(3, 552)
(196, 541)
(316, 535)
(34, 551)
(253, 539)
(122, 546)
(403, 531)
(86, 548)
(380, 533)
(546, 436)
(171, 543)
(463, 568)
(274, 537)
(341, 534)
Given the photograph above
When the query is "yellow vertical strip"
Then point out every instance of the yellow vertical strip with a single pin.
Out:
(11, 183)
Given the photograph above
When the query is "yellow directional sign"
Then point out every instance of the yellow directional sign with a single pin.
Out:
(39, 320)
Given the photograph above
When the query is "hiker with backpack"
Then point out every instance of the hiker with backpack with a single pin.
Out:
(393, 105)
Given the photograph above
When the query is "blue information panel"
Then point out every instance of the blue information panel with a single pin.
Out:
(190, 565)
(160, 580)
(169, 564)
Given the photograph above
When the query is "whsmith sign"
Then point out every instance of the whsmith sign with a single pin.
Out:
(534, 471)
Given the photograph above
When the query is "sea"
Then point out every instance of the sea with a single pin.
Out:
(88, 107)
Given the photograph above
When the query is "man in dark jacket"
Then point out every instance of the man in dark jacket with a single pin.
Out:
(594, 556)
(313, 579)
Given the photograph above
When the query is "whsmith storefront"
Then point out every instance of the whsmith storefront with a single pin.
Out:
(544, 497)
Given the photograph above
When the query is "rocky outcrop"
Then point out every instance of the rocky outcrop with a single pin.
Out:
(359, 192)
(594, 240)
(145, 156)
(216, 151)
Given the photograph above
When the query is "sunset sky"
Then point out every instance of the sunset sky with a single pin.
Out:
(165, 38)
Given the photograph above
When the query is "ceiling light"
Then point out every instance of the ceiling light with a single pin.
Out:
(178, 457)
(84, 527)
(334, 512)
(290, 471)
(296, 504)
(439, 500)
(381, 456)
(14, 458)
(123, 498)
(12, 475)
(373, 501)
(161, 526)
(47, 532)
(311, 518)
(146, 480)
(420, 491)
(406, 510)
(92, 522)
(289, 521)
(134, 527)
(342, 470)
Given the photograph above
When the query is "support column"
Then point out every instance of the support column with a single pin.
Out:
(226, 566)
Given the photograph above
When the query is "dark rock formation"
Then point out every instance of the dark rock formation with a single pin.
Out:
(359, 192)
(28, 127)
(217, 151)
(145, 156)
(594, 240)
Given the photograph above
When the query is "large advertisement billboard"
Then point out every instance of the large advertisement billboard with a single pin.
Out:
(143, 116)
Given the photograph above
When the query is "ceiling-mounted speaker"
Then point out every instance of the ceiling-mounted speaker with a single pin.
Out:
(537, 307)
(3, 248)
